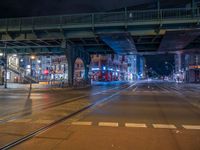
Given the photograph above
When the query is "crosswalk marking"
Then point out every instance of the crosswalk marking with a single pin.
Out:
(164, 126)
(135, 125)
(108, 124)
(191, 127)
(82, 123)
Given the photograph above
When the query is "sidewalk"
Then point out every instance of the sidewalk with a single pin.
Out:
(37, 86)
(27, 86)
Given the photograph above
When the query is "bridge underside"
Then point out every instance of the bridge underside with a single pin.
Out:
(78, 36)
(121, 43)
(140, 44)
(178, 40)
(139, 32)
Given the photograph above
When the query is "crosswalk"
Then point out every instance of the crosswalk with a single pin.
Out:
(114, 124)
(136, 125)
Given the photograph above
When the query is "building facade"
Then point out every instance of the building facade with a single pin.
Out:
(187, 68)
(192, 70)
(113, 67)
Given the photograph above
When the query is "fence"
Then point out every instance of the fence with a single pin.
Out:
(93, 19)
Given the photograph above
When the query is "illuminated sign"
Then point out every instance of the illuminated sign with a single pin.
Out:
(95, 69)
(46, 72)
(194, 67)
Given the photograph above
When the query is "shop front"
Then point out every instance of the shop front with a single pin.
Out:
(193, 74)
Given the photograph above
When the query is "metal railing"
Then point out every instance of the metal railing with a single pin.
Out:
(22, 71)
(93, 19)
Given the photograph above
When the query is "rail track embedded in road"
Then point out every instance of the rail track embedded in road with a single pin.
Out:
(47, 127)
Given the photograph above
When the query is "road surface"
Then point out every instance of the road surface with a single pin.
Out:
(147, 115)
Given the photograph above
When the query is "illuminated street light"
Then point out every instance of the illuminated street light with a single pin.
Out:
(32, 57)
(1, 54)
(39, 61)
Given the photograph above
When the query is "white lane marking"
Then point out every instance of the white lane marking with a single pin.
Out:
(191, 127)
(44, 121)
(20, 120)
(108, 124)
(135, 125)
(83, 123)
(164, 126)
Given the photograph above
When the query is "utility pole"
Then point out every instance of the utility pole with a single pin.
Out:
(5, 66)
(32, 57)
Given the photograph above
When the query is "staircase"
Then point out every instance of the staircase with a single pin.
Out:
(22, 72)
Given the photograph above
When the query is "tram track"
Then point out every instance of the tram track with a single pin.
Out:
(41, 107)
(64, 118)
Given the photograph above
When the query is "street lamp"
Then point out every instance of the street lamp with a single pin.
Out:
(32, 58)
(31, 72)
(38, 61)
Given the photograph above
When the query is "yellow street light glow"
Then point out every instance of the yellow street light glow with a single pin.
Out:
(32, 57)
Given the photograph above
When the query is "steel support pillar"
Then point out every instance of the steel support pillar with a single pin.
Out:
(72, 53)
(70, 59)
(70, 71)
(86, 72)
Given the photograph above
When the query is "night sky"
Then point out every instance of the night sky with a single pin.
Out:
(12, 8)
(22, 8)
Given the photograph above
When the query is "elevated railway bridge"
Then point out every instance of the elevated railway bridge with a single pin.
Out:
(124, 32)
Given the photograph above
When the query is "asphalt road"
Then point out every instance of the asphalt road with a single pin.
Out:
(19, 100)
(149, 115)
